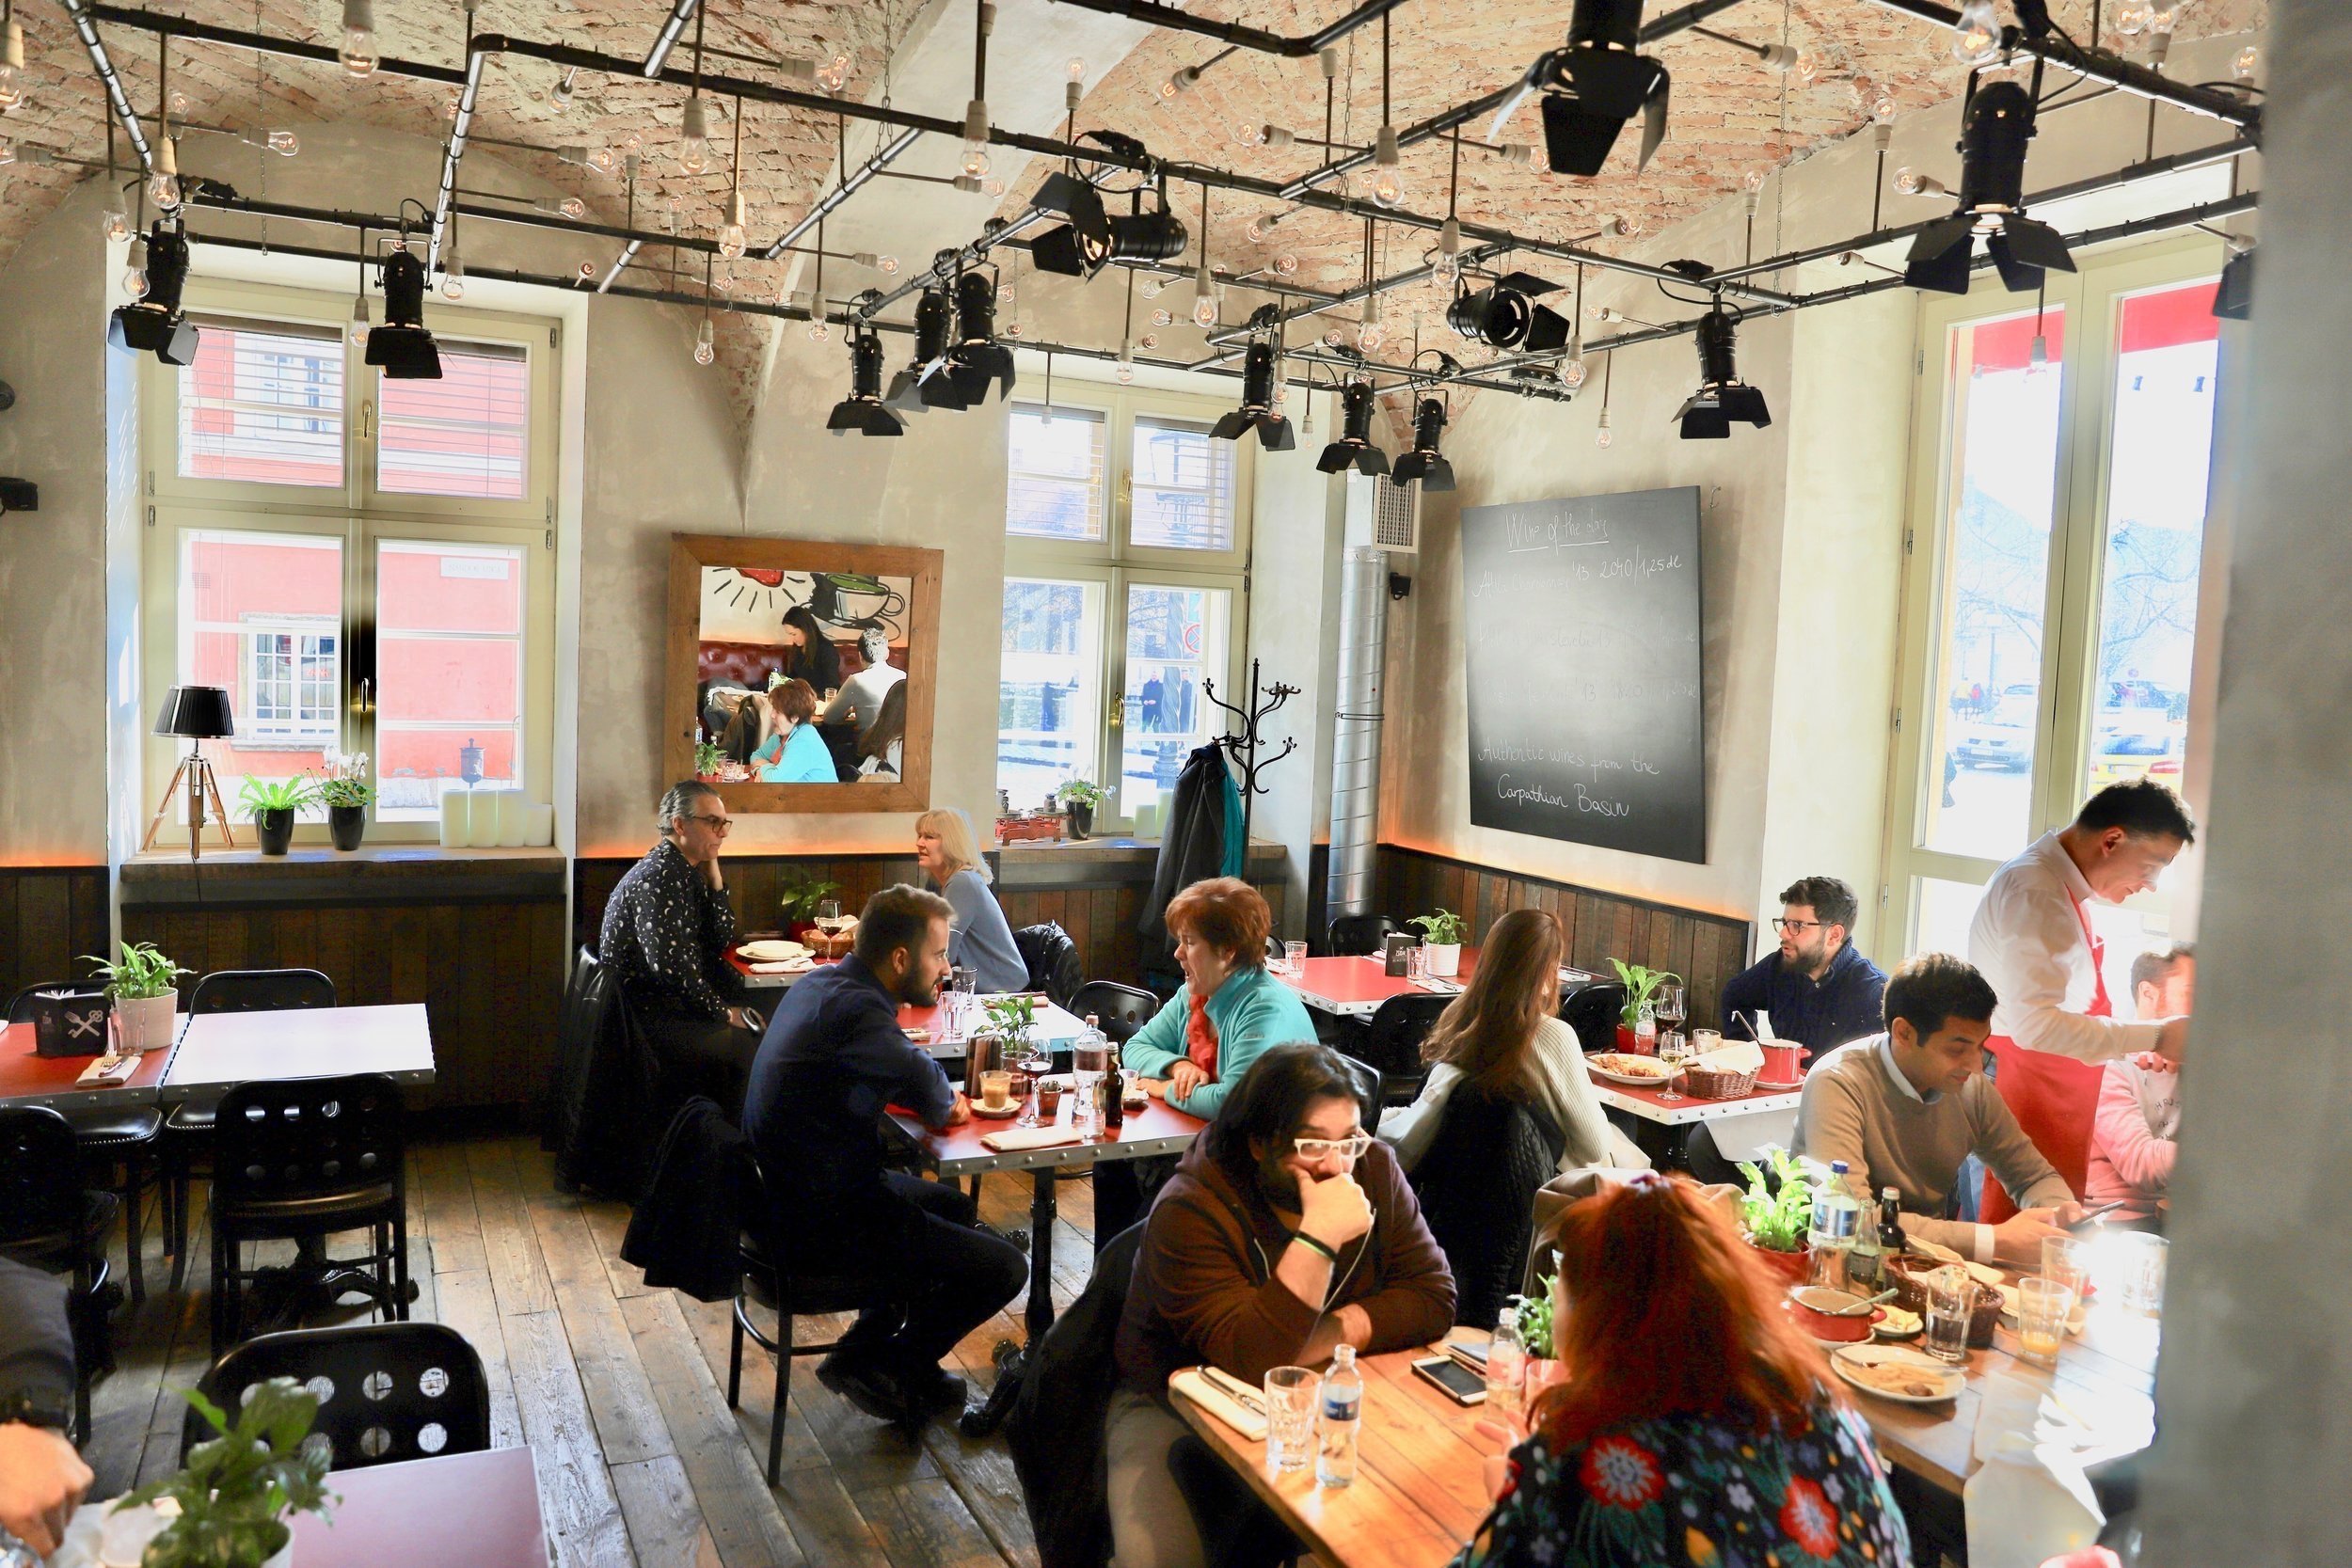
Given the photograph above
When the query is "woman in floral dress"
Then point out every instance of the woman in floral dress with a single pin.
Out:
(1698, 1428)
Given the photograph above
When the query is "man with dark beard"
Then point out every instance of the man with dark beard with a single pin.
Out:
(1286, 1231)
(1817, 985)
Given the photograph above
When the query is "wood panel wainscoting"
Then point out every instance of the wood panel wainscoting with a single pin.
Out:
(1094, 890)
(478, 939)
(1705, 949)
(50, 916)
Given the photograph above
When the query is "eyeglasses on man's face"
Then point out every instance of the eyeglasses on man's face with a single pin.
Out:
(1798, 926)
(1350, 1147)
(720, 825)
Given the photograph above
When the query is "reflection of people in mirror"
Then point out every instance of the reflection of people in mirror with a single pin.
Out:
(809, 654)
(877, 749)
(753, 726)
(797, 753)
(861, 696)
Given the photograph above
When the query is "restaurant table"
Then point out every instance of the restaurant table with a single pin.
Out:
(28, 1078)
(1355, 984)
(216, 1052)
(956, 1151)
(1662, 1128)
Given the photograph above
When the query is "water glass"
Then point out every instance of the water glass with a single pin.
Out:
(1292, 1396)
(2140, 1269)
(1417, 964)
(1952, 1293)
(1295, 957)
(2066, 1260)
(2042, 1308)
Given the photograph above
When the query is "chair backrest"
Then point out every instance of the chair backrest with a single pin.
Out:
(40, 1174)
(1369, 1087)
(282, 1139)
(1360, 933)
(21, 1005)
(261, 990)
(1592, 1012)
(1055, 967)
(386, 1391)
(1392, 1043)
(1121, 1010)
(1477, 1185)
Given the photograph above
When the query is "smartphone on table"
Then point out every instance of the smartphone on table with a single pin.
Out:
(1455, 1381)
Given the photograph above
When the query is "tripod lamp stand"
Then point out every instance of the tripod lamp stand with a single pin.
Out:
(199, 713)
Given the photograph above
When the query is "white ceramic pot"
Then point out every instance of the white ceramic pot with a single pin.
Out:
(145, 1024)
(1445, 961)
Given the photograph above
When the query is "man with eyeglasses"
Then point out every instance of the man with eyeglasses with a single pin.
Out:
(667, 927)
(1817, 985)
(1285, 1232)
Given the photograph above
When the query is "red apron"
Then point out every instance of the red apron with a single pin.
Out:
(2055, 1099)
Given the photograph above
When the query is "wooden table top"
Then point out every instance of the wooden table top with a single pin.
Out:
(28, 1078)
(218, 1051)
(1356, 985)
(958, 1151)
(478, 1509)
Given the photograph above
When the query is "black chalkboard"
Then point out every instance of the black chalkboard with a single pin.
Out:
(1581, 622)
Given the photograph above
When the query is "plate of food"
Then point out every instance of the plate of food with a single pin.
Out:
(1620, 1066)
(1897, 1323)
(1893, 1372)
(774, 952)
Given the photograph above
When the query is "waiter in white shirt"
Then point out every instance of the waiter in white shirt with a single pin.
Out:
(2032, 936)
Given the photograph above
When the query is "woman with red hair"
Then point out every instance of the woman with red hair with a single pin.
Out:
(1697, 1425)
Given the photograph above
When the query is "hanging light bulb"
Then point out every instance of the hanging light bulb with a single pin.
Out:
(1883, 108)
(116, 224)
(1370, 334)
(1910, 181)
(1603, 437)
(835, 73)
(1808, 66)
(1182, 82)
(1334, 338)
(1388, 180)
(1014, 329)
(1076, 68)
(992, 186)
(693, 148)
(2247, 61)
(1977, 34)
(704, 350)
(1286, 265)
(2162, 20)
(731, 237)
(134, 273)
(359, 322)
(453, 274)
(1163, 318)
(163, 185)
(284, 143)
(819, 330)
(886, 265)
(13, 66)
(976, 138)
(1752, 181)
(1572, 373)
(1152, 286)
(2131, 18)
(573, 208)
(587, 270)
(358, 52)
(1126, 371)
(176, 104)
(1148, 342)
(1203, 297)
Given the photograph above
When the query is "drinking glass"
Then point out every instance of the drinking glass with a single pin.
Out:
(1291, 1394)
(829, 916)
(1667, 1006)
(1417, 964)
(1295, 957)
(2042, 1308)
(2066, 1260)
(1951, 1296)
(1673, 1050)
(2140, 1268)
(996, 1088)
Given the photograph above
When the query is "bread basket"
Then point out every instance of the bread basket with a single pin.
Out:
(1707, 1082)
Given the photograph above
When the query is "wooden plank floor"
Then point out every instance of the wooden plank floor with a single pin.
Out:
(620, 1391)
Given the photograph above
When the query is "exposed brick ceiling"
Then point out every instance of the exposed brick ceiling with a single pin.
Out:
(1730, 114)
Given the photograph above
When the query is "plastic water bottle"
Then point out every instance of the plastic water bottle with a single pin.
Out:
(1343, 1419)
(1837, 1216)
(1506, 1362)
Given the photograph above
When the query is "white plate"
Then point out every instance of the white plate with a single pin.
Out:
(770, 952)
(1635, 1080)
(1780, 1088)
(1949, 1379)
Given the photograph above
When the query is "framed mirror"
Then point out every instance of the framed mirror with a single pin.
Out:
(801, 675)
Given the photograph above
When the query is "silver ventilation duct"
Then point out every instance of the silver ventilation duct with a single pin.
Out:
(1356, 731)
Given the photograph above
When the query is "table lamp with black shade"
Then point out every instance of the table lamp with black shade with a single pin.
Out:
(201, 713)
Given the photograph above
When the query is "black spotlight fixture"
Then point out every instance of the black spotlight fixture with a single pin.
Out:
(154, 322)
(1423, 463)
(1506, 315)
(1994, 130)
(976, 360)
(1354, 449)
(401, 348)
(2234, 299)
(1723, 398)
(1092, 239)
(1591, 86)
(910, 393)
(1257, 404)
(863, 410)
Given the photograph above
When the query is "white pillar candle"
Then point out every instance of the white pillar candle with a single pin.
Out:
(484, 833)
(456, 818)
(541, 831)
(514, 818)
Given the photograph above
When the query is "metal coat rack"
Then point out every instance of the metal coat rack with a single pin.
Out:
(1243, 746)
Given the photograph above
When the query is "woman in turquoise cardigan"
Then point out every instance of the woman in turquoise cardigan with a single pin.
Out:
(797, 753)
(1228, 1011)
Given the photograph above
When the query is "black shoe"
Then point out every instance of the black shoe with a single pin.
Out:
(936, 1388)
(867, 1383)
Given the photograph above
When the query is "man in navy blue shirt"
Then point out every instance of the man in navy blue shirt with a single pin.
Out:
(1820, 989)
(833, 1059)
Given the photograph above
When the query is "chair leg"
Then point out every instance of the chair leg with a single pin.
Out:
(784, 1392)
(400, 1263)
(735, 1353)
(133, 1187)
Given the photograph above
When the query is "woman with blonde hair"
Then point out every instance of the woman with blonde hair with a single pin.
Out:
(979, 938)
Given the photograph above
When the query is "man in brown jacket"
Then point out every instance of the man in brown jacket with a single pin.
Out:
(1285, 1231)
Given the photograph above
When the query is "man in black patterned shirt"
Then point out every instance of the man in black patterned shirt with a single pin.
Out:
(666, 932)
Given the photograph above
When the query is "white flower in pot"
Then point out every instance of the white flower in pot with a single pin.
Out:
(1441, 934)
(145, 987)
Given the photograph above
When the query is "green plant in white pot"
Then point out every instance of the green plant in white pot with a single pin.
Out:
(1441, 934)
(227, 1506)
(145, 987)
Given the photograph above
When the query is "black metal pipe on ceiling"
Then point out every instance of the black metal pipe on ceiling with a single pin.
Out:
(1240, 36)
(231, 38)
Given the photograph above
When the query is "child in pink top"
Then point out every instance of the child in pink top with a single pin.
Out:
(2133, 1137)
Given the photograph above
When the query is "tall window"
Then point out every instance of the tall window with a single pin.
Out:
(1126, 571)
(366, 565)
(2056, 534)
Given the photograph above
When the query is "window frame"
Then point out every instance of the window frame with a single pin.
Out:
(2073, 598)
(1118, 563)
(360, 518)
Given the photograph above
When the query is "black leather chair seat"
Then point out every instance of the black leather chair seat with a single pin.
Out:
(812, 1293)
(336, 1211)
(190, 1118)
(99, 1127)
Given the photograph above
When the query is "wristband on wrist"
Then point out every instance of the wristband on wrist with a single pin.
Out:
(33, 1410)
(1313, 1245)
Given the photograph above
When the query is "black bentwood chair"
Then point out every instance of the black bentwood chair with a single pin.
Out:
(48, 1219)
(1119, 1010)
(386, 1391)
(120, 1147)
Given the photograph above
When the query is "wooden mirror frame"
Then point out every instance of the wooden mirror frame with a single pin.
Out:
(691, 552)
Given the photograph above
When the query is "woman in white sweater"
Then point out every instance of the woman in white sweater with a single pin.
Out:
(1504, 1033)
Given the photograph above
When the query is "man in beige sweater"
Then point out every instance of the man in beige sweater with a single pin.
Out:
(1904, 1108)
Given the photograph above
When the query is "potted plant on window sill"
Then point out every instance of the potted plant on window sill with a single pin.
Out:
(1776, 1215)
(1079, 796)
(1441, 934)
(1640, 984)
(345, 792)
(273, 803)
(227, 1506)
(145, 988)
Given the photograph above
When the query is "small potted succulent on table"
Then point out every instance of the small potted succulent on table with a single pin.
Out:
(1078, 798)
(144, 986)
(1441, 934)
(228, 1505)
(1776, 1215)
(1641, 984)
(345, 792)
(273, 803)
(708, 755)
(1537, 1315)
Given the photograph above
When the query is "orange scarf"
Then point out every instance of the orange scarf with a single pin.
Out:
(1200, 1038)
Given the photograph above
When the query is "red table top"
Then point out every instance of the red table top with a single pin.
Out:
(1360, 984)
(478, 1509)
(27, 1079)
(958, 1151)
